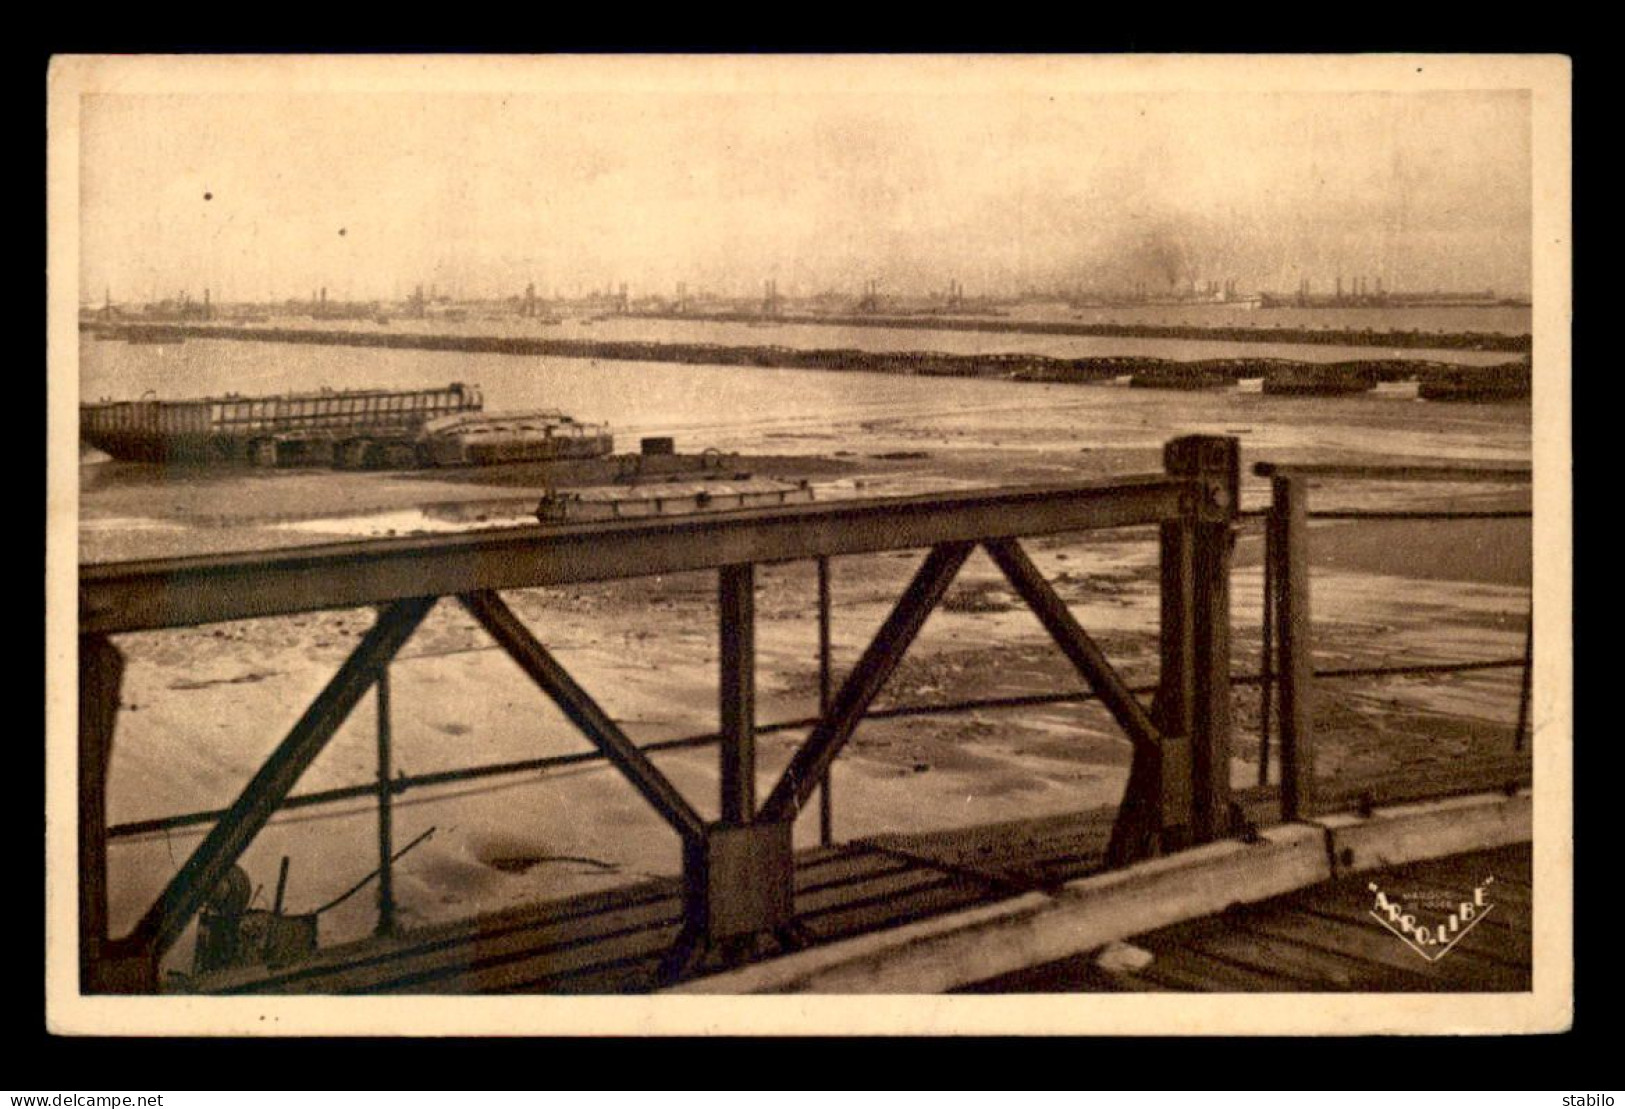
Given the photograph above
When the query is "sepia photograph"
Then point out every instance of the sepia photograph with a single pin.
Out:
(809, 544)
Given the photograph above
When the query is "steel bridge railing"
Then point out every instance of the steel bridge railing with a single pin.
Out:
(1286, 667)
(737, 871)
(1176, 795)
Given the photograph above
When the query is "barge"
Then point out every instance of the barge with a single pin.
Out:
(352, 428)
(383, 429)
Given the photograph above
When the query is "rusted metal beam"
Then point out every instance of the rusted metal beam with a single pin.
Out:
(226, 841)
(1266, 667)
(101, 674)
(1288, 547)
(386, 813)
(880, 660)
(505, 627)
(1155, 812)
(826, 689)
(736, 607)
(1213, 464)
(1082, 651)
(132, 596)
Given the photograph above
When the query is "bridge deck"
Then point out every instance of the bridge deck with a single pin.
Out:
(613, 942)
(1321, 939)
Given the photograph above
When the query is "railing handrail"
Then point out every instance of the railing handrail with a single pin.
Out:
(144, 595)
(1516, 474)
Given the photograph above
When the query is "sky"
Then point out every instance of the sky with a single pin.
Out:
(264, 195)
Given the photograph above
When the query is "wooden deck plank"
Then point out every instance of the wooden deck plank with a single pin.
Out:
(1213, 973)
(1481, 944)
(1386, 960)
(1308, 968)
(633, 958)
(566, 946)
(1321, 940)
(574, 921)
(612, 941)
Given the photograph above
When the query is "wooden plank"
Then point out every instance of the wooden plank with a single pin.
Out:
(828, 879)
(1373, 945)
(1213, 973)
(427, 964)
(376, 950)
(1310, 968)
(1488, 946)
(1078, 974)
(925, 900)
(1406, 833)
(843, 872)
(939, 954)
(1508, 920)
(855, 887)
(1303, 950)
(534, 971)
(596, 963)
(817, 910)
(822, 869)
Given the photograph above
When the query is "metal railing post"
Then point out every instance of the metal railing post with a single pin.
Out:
(1266, 665)
(1214, 462)
(101, 673)
(826, 687)
(737, 708)
(1289, 526)
(386, 829)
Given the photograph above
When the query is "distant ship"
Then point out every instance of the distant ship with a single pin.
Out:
(1304, 299)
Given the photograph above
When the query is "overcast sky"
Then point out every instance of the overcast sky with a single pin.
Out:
(267, 194)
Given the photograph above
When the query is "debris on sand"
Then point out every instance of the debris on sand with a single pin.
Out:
(1123, 958)
(979, 597)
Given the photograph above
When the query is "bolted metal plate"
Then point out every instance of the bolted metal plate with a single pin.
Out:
(742, 880)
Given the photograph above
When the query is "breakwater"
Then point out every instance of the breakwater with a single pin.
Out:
(1339, 337)
(1163, 372)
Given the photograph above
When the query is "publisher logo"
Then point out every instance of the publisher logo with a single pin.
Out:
(1431, 922)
